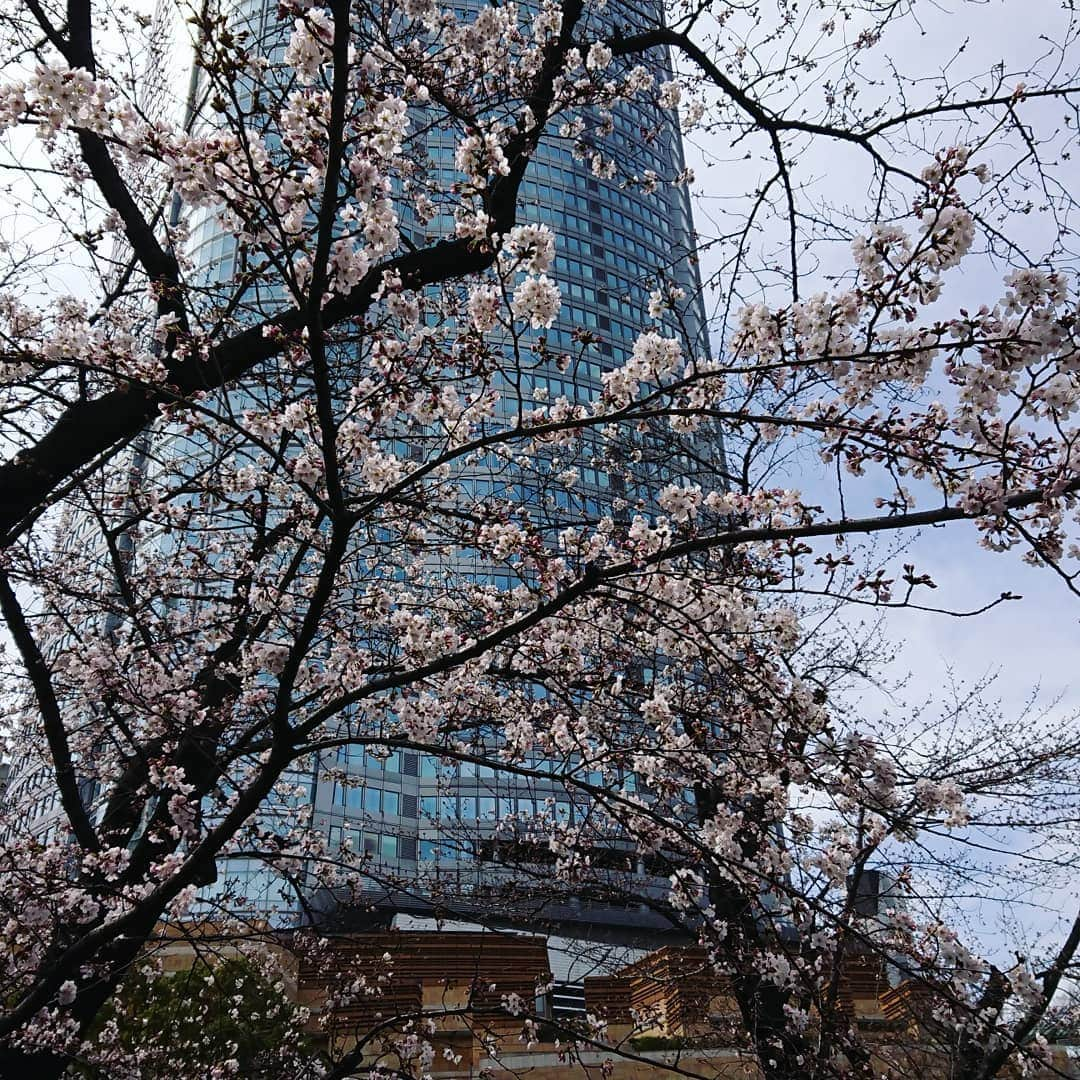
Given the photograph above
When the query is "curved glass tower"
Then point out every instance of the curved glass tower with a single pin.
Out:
(435, 823)
(429, 827)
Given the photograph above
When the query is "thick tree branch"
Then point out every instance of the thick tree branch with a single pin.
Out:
(67, 780)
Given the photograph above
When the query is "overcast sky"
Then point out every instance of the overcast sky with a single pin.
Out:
(1030, 643)
(1036, 640)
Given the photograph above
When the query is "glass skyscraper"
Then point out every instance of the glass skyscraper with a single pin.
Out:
(430, 828)
(433, 823)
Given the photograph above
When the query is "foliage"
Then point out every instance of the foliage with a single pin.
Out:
(225, 1011)
(285, 476)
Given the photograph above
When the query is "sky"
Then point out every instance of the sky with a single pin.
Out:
(1028, 645)
(1035, 640)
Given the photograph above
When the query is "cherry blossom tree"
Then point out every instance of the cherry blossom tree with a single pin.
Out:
(239, 494)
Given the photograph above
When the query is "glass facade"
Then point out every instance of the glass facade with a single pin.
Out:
(430, 828)
(435, 824)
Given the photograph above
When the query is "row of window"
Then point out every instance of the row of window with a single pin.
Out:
(634, 125)
(491, 808)
(382, 845)
(611, 303)
(570, 389)
(427, 765)
(567, 268)
(598, 202)
(359, 755)
(477, 489)
(580, 317)
(373, 800)
(610, 256)
(564, 339)
(449, 807)
(42, 805)
(628, 241)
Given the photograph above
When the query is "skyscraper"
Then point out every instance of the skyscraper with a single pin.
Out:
(431, 828)
(614, 242)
